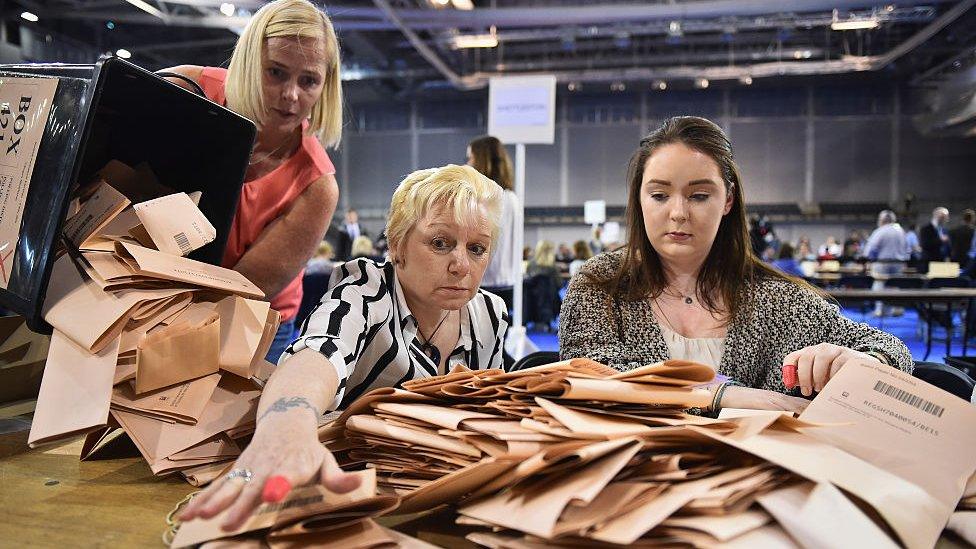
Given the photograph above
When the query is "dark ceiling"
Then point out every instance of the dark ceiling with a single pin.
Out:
(405, 47)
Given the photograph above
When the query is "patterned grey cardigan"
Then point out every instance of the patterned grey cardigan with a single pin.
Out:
(783, 318)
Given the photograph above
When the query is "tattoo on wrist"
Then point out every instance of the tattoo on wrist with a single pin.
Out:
(285, 404)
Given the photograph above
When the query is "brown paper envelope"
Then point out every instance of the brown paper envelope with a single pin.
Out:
(242, 327)
(270, 330)
(370, 424)
(363, 534)
(724, 527)
(576, 519)
(587, 423)
(234, 402)
(440, 416)
(75, 391)
(628, 527)
(134, 332)
(175, 224)
(545, 506)
(184, 402)
(896, 421)
(180, 269)
(107, 266)
(94, 215)
(915, 515)
(804, 509)
(613, 390)
(183, 351)
(669, 372)
(14, 355)
(454, 487)
(219, 446)
(330, 515)
(204, 474)
(83, 312)
(301, 502)
(137, 184)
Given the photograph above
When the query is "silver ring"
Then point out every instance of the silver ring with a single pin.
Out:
(241, 473)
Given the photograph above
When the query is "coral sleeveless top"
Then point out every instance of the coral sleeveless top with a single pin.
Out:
(266, 198)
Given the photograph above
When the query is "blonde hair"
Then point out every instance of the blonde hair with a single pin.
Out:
(545, 254)
(286, 18)
(325, 250)
(362, 246)
(461, 188)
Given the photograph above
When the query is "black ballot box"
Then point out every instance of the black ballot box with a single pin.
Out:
(54, 137)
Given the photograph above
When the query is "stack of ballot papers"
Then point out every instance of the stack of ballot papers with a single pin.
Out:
(146, 341)
(577, 454)
(310, 516)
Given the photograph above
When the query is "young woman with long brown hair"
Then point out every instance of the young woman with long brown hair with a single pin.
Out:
(688, 285)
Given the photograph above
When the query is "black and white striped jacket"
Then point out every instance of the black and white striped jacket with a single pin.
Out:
(365, 329)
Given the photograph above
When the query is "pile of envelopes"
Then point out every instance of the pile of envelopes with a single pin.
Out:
(577, 454)
(166, 348)
(310, 516)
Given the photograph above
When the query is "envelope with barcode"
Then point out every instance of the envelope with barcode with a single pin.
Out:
(899, 423)
(175, 224)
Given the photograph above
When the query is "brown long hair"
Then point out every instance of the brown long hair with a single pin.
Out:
(730, 265)
(491, 159)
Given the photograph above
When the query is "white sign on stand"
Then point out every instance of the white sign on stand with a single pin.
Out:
(594, 212)
(521, 110)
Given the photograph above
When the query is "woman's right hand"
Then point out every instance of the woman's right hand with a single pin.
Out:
(284, 444)
(761, 399)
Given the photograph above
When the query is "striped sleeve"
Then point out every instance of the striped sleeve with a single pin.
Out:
(498, 321)
(338, 326)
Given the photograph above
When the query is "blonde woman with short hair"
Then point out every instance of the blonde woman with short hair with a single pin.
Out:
(380, 324)
(284, 76)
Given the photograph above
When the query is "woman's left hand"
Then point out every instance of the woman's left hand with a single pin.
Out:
(816, 364)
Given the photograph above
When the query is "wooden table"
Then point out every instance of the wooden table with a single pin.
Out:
(925, 297)
(50, 499)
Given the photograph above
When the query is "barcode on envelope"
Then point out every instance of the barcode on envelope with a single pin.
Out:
(183, 242)
(908, 398)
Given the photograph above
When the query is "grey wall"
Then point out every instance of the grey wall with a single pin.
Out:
(793, 144)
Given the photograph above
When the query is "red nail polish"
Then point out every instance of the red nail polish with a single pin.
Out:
(790, 376)
(275, 489)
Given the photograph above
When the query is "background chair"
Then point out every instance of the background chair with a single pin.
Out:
(314, 287)
(947, 378)
(537, 358)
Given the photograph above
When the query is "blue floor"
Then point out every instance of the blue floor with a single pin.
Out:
(905, 327)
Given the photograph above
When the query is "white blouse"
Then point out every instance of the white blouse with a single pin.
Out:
(704, 350)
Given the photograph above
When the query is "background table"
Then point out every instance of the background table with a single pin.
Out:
(925, 297)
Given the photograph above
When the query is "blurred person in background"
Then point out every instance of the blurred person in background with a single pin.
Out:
(564, 254)
(961, 237)
(830, 250)
(488, 155)
(804, 251)
(597, 246)
(786, 261)
(322, 261)
(934, 238)
(582, 251)
(887, 249)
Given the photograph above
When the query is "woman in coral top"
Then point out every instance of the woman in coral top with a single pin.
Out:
(284, 76)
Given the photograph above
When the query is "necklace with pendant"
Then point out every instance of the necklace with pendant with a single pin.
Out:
(428, 348)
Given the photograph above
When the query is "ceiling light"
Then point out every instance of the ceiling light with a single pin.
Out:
(462, 4)
(574, 86)
(674, 28)
(29, 16)
(123, 53)
(853, 24)
(146, 7)
(701, 83)
(745, 80)
(110, 25)
(441, 3)
(228, 9)
(660, 85)
(618, 86)
(463, 41)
